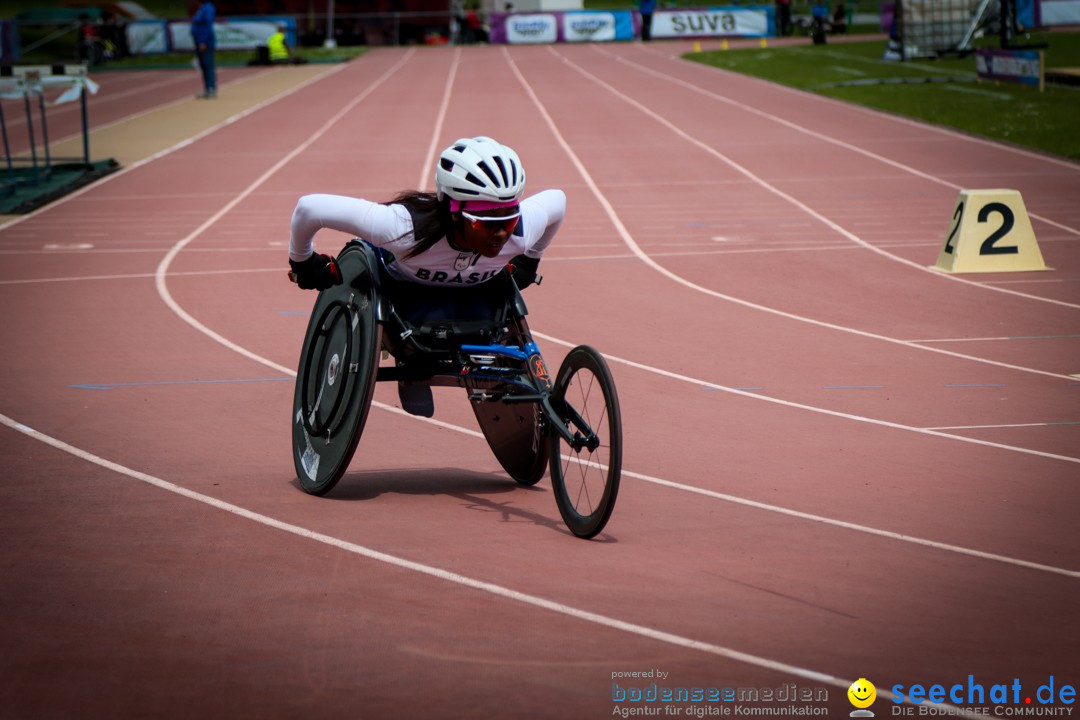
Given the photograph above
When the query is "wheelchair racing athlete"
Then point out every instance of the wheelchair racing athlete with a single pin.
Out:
(439, 250)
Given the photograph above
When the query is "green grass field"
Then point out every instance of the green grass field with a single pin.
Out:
(944, 92)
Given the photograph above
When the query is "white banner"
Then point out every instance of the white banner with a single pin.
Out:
(531, 29)
(589, 27)
(234, 35)
(147, 37)
(709, 23)
(1060, 12)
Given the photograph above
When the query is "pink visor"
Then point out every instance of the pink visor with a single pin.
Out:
(478, 206)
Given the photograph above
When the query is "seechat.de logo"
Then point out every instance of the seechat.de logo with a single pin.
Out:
(862, 694)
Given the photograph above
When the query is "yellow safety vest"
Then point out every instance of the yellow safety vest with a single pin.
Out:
(276, 45)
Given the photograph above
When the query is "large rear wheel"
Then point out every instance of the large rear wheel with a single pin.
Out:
(335, 380)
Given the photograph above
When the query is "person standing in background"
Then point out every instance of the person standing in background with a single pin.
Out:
(202, 33)
(783, 17)
(646, 8)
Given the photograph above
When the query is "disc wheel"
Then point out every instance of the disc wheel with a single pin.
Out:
(585, 474)
(335, 380)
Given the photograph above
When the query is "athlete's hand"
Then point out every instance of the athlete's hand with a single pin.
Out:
(318, 272)
(523, 270)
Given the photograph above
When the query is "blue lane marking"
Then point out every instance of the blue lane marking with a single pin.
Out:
(110, 386)
(305, 313)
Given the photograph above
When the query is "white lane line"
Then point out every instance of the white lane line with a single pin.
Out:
(163, 266)
(995, 427)
(798, 128)
(648, 260)
(701, 491)
(161, 275)
(426, 176)
(878, 532)
(851, 107)
(370, 553)
(990, 339)
(819, 410)
(142, 276)
(439, 573)
(445, 575)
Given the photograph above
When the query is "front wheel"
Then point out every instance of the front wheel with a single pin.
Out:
(585, 473)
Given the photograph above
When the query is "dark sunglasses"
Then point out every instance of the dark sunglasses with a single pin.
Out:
(492, 224)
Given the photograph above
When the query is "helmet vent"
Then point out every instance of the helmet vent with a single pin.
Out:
(502, 170)
(491, 175)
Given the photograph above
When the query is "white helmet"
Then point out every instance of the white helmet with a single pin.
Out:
(480, 169)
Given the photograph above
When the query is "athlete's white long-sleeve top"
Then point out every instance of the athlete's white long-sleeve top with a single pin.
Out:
(391, 227)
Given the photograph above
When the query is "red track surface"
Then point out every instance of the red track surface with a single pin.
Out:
(805, 498)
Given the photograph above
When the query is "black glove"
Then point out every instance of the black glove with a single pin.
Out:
(318, 272)
(523, 270)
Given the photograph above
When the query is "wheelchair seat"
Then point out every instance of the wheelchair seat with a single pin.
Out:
(439, 340)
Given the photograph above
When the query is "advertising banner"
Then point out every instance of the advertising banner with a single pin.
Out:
(597, 26)
(756, 21)
(235, 33)
(146, 37)
(1057, 12)
(530, 28)
(1019, 66)
(568, 26)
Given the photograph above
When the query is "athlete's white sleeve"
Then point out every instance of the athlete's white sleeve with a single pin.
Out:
(376, 223)
(551, 205)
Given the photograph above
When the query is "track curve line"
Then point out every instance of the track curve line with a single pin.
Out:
(163, 266)
(792, 200)
(840, 143)
(161, 274)
(217, 337)
(632, 244)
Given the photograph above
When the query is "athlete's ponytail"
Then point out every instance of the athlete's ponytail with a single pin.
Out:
(430, 216)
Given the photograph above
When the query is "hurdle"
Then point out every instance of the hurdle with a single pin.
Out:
(35, 178)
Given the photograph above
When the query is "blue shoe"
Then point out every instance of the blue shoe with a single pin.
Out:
(416, 399)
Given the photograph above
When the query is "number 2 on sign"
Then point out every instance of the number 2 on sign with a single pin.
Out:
(989, 245)
(956, 216)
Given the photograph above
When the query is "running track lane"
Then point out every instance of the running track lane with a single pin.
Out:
(841, 601)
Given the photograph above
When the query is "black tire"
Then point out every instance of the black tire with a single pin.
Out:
(514, 431)
(586, 480)
(335, 380)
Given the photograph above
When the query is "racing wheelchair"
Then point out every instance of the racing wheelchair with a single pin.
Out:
(571, 423)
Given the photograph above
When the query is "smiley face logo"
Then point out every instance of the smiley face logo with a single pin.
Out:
(862, 693)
